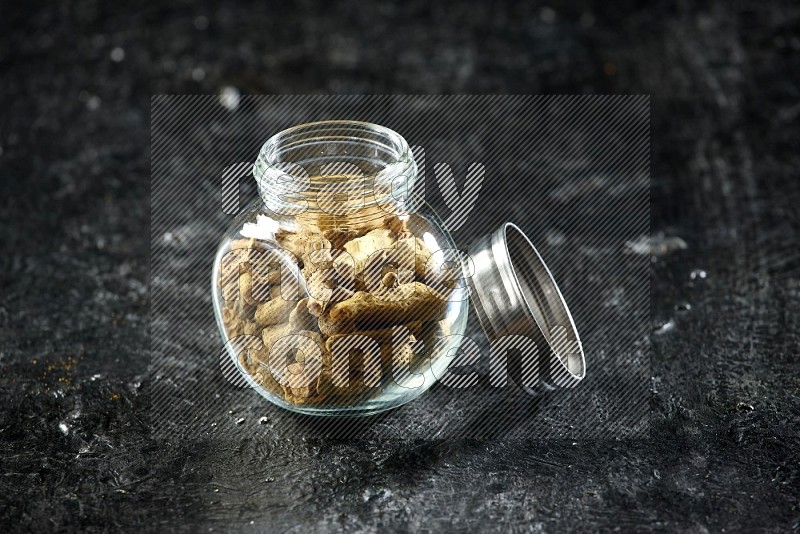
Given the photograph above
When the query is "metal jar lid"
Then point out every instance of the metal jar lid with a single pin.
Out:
(514, 294)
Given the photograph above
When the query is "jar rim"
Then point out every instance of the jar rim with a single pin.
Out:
(368, 164)
(272, 143)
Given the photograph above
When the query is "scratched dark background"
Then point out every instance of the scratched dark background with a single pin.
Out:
(77, 452)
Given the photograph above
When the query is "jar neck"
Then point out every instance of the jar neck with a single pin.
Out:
(340, 173)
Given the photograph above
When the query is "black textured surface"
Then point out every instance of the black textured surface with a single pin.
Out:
(74, 133)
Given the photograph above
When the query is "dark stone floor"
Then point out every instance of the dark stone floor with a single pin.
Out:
(724, 447)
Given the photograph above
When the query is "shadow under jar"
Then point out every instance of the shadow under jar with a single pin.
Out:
(336, 294)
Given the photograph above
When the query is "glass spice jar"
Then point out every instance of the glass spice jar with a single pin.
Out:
(340, 293)
(337, 287)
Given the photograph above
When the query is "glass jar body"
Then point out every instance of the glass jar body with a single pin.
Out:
(326, 317)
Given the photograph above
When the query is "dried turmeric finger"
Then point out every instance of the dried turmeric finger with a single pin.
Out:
(389, 280)
(339, 236)
(325, 287)
(361, 248)
(266, 265)
(298, 378)
(408, 302)
(246, 287)
(252, 329)
(300, 318)
(272, 333)
(408, 257)
(329, 327)
(234, 327)
(358, 361)
(292, 242)
(255, 362)
(315, 260)
(397, 225)
(386, 338)
(421, 253)
(274, 311)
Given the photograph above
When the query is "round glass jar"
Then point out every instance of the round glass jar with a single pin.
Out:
(337, 293)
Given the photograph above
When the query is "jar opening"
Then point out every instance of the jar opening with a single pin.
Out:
(348, 171)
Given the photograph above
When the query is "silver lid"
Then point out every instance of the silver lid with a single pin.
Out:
(514, 293)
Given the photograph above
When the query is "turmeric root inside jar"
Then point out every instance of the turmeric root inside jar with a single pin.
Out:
(336, 293)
